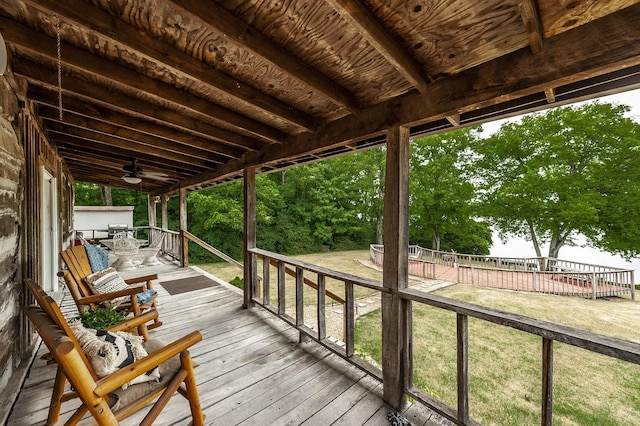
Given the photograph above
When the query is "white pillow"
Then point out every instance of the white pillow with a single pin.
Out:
(109, 351)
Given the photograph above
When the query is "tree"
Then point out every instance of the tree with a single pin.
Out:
(442, 193)
(570, 170)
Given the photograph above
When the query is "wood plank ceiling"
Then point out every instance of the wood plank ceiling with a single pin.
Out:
(200, 89)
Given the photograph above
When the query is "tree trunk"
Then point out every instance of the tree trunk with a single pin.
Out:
(435, 241)
(379, 228)
(105, 195)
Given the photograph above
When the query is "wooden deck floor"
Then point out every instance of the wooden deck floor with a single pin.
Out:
(252, 370)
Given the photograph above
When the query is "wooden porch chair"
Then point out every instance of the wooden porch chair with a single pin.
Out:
(99, 396)
(85, 295)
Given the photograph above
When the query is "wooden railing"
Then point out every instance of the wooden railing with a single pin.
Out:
(548, 332)
(536, 274)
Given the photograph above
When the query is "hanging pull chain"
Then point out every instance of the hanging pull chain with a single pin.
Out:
(59, 66)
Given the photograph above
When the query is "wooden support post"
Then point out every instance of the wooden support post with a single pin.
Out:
(165, 211)
(395, 313)
(151, 210)
(249, 237)
(184, 252)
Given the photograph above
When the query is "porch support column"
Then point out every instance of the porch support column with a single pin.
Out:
(396, 315)
(151, 210)
(184, 254)
(163, 207)
(249, 237)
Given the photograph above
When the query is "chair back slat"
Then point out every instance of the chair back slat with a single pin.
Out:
(51, 308)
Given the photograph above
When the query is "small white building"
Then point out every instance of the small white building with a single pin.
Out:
(94, 221)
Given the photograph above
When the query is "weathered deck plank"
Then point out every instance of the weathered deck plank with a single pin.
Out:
(252, 369)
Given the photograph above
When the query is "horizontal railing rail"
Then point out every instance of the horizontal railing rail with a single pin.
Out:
(548, 332)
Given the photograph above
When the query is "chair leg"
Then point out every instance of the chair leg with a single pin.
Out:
(56, 398)
(192, 389)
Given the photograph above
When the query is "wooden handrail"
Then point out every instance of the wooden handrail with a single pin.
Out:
(549, 333)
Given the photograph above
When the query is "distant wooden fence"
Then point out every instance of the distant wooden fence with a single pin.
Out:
(536, 274)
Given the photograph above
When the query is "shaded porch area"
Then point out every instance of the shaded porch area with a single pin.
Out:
(252, 367)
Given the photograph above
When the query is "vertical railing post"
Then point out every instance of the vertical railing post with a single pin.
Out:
(299, 296)
(349, 319)
(249, 237)
(594, 286)
(281, 288)
(266, 281)
(547, 382)
(633, 286)
(322, 323)
(462, 326)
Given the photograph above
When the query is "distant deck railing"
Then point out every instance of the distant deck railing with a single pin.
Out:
(345, 347)
(536, 274)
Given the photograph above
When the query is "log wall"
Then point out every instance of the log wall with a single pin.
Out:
(11, 201)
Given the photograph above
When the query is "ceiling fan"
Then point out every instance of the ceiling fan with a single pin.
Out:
(134, 173)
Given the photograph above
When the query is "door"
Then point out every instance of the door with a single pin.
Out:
(49, 231)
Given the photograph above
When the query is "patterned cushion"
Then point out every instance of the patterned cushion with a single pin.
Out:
(98, 257)
(108, 351)
(108, 281)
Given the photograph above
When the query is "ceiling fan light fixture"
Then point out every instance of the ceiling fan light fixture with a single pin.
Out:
(132, 179)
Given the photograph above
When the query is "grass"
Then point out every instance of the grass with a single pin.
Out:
(505, 364)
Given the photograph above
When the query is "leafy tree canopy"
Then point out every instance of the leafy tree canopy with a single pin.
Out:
(567, 171)
(442, 212)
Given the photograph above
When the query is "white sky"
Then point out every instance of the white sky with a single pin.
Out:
(630, 98)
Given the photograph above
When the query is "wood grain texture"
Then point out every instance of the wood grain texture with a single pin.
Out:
(559, 16)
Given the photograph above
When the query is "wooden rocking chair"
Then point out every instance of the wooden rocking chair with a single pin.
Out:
(85, 295)
(96, 394)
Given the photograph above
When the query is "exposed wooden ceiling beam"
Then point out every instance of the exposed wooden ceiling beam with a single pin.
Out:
(71, 105)
(602, 46)
(249, 38)
(83, 14)
(84, 155)
(36, 74)
(156, 143)
(360, 17)
(127, 80)
(115, 143)
(532, 23)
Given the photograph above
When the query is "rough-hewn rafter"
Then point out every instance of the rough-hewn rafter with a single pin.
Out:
(226, 23)
(43, 97)
(84, 15)
(93, 93)
(357, 14)
(602, 46)
(532, 23)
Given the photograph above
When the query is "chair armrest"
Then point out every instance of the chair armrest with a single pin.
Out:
(137, 280)
(135, 321)
(96, 298)
(112, 382)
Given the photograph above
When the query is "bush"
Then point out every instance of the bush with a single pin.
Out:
(238, 282)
